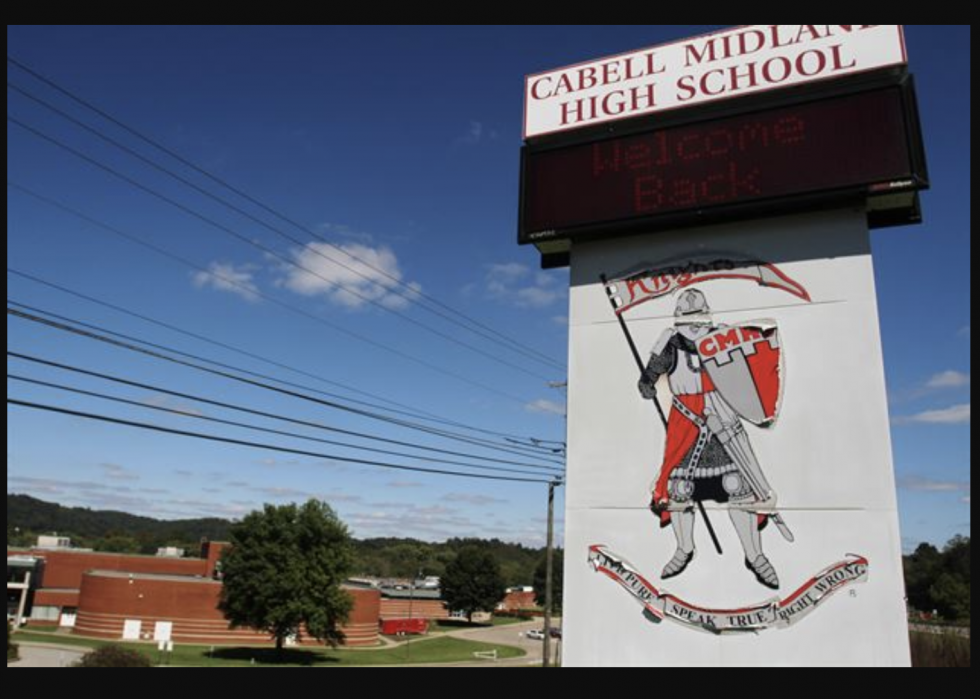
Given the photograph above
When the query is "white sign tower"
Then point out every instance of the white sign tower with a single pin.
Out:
(731, 494)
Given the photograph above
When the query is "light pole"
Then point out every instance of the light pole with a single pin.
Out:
(411, 611)
(408, 634)
(550, 573)
(550, 556)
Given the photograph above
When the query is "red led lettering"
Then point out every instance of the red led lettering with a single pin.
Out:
(649, 195)
(817, 147)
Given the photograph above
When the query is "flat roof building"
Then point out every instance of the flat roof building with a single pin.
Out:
(144, 598)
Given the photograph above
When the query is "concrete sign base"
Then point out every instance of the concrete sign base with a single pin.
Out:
(731, 494)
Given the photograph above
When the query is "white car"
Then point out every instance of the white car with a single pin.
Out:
(534, 635)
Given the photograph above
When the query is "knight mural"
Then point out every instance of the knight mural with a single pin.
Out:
(718, 376)
(710, 384)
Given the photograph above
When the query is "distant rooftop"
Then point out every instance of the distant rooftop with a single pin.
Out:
(122, 575)
(392, 593)
(155, 577)
(53, 541)
(21, 561)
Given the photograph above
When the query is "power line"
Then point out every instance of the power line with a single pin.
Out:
(281, 233)
(526, 451)
(176, 156)
(127, 342)
(285, 260)
(258, 384)
(261, 413)
(411, 294)
(223, 345)
(407, 411)
(256, 428)
(258, 445)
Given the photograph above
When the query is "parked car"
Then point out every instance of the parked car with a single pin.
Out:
(534, 635)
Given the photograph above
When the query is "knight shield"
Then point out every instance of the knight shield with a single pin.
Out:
(744, 362)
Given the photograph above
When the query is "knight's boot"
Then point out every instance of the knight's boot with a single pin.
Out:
(683, 523)
(764, 572)
(678, 564)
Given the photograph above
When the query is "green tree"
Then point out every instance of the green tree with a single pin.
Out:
(557, 584)
(951, 597)
(284, 572)
(473, 582)
(956, 558)
(922, 569)
(117, 543)
(940, 580)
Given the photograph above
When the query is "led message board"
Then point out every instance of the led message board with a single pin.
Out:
(866, 143)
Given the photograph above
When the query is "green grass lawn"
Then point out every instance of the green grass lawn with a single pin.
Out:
(422, 651)
(447, 625)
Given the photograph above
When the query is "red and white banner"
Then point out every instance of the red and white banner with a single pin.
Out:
(634, 289)
(774, 614)
(741, 61)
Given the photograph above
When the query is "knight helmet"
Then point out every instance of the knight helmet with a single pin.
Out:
(692, 303)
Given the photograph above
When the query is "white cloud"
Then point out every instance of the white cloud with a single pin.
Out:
(184, 508)
(965, 332)
(230, 278)
(476, 133)
(116, 472)
(283, 494)
(919, 484)
(518, 285)
(437, 523)
(345, 231)
(545, 407)
(99, 496)
(508, 272)
(287, 494)
(428, 523)
(966, 500)
(537, 296)
(352, 279)
(955, 415)
(474, 499)
(949, 379)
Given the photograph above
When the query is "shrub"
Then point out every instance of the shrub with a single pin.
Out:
(114, 656)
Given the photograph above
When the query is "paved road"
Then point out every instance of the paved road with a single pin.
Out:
(514, 635)
(46, 656)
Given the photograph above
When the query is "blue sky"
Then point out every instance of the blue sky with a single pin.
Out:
(401, 145)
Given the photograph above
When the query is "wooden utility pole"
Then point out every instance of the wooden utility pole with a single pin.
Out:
(550, 574)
